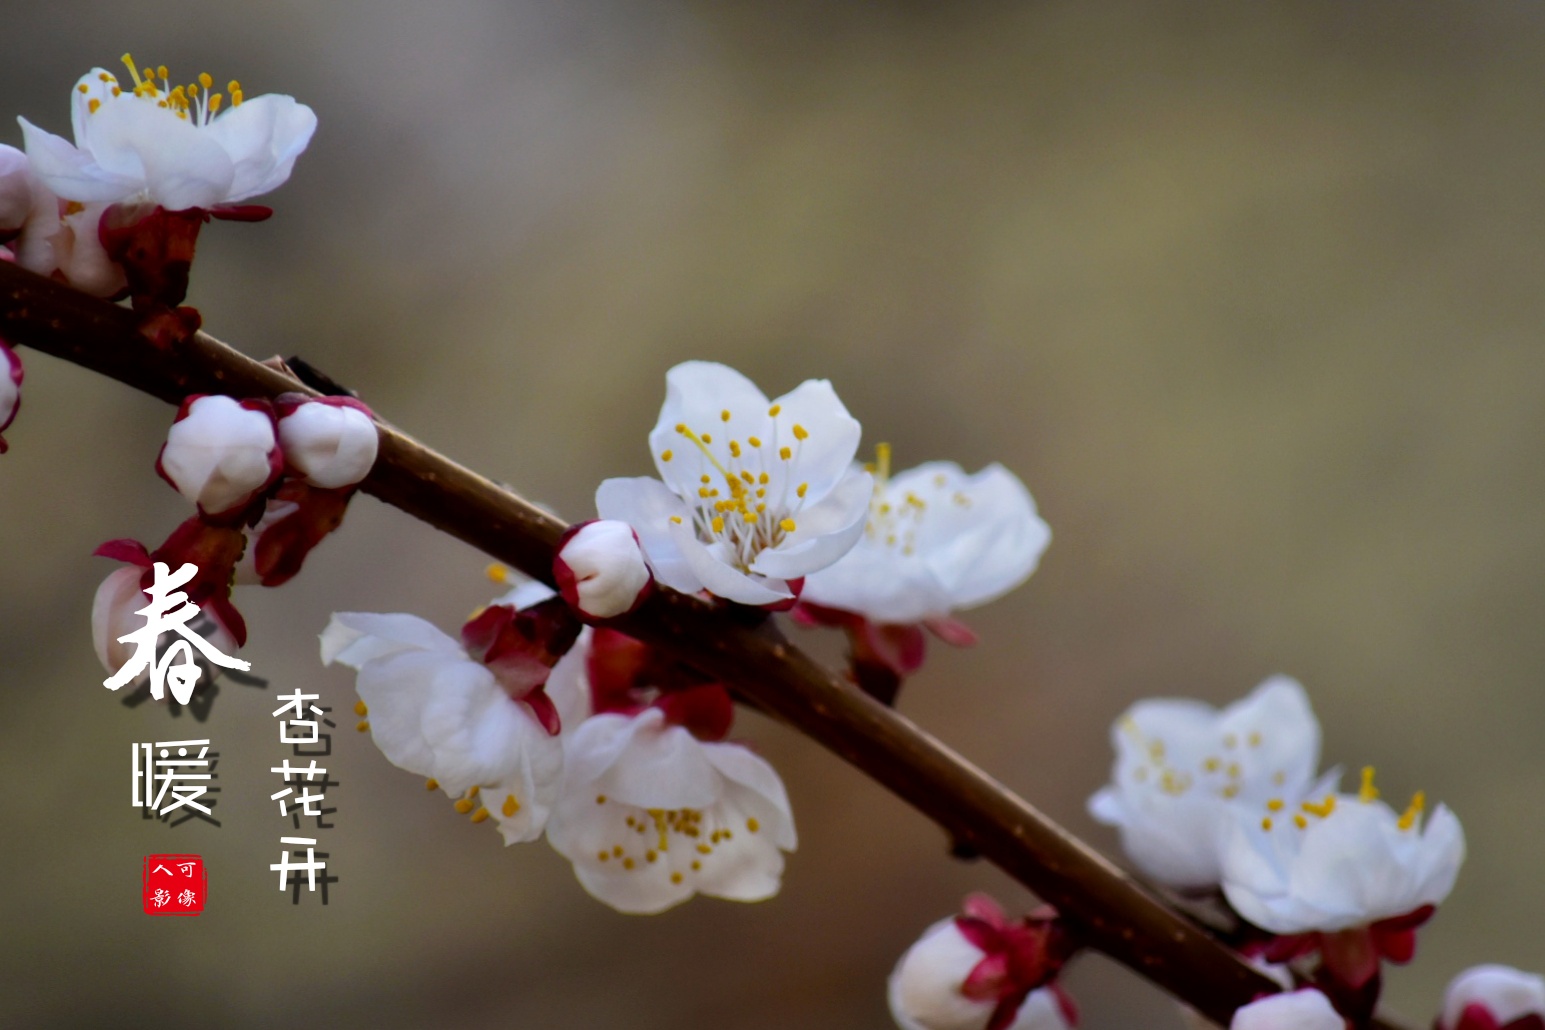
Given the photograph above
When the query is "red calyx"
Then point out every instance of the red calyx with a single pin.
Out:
(1350, 972)
(628, 676)
(214, 549)
(1018, 957)
(155, 249)
(520, 647)
(281, 548)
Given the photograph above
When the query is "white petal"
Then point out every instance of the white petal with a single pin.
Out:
(1040, 1011)
(262, 137)
(396, 688)
(697, 393)
(823, 458)
(721, 579)
(986, 546)
(182, 167)
(768, 801)
(1307, 1009)
(879, 583)
(71, 173)
(113, 615)
(354, 638)
(648, 506)
(824, 531)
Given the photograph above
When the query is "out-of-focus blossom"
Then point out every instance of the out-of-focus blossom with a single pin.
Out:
(1339, 862)
(220, 452)
(10, 390)
(600, 569)
(330, 442)
(1183, 768)
(756, 494)
(937, 541)
(980, 971)
(1493, 997)
(474, 724)
(176, 147)
(15, 192)
(1307, 1009)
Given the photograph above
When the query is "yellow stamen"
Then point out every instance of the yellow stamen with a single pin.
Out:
(734, 448)
(206, 80)
(360, 709)
(676, 519)
(128, 62)
(480, 815)
(627, 863)
(463, 805)
(724, 416)
(801, 491)
(754, 441)
(753, 825)
(800, 433)
(1266, 823)
(1367, 793)
(1414, 812)
(718, 524)
(431, 784)
(665, 455)
(1300, 822)
(785, 453)
(214, 104)
(600, 799)
(84, 88)
(1275, 805)
(882, 458)
(773, 411)
(92, 105)
(675, 877)
(362, 726)
(474, 791)
(511, 806)
(787, 525)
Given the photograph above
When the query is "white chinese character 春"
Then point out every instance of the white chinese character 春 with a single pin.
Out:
(169, 612)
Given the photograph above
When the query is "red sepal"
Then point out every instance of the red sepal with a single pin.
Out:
(521, 647)
(241, 212)
(281, 548)
(130, 552)
(705, 710)
(155, 249)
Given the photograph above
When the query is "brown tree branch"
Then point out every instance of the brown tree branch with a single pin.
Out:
(1108, 910)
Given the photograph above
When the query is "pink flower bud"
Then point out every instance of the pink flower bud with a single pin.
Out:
(330, 442)
(1493, 997)
(600, 569)
(10, 389)
(1307, 1009)
(220, 452)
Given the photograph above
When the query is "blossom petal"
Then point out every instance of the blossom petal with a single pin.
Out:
(354, 638)
(986, 546)
(720, 578)
(648, 506)
(262, 137)
(831, 434)
(71, 173)
(824, 532)
(182, 166)
(767, 800)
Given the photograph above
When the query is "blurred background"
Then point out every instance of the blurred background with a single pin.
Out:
(1249, 296)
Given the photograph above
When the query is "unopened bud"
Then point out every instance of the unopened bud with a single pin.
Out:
(1493, 996)
(600, 569)
(220, 452)
(1307, 1009)
(925, 989)
(330, 442)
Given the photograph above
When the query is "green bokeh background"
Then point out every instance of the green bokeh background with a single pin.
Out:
(1249, 296)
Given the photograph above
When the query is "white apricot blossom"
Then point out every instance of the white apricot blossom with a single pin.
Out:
(752, 493)
(650, 815)
(15, 191)
(1307, 1009)
(220, 452)
(937, 541)
(436, 711)
(1339, 862)
(1183, 768)
(177, 147)
(1493, 997)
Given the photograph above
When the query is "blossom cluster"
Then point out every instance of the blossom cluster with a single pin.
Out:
(1232, 802)
(546, 719)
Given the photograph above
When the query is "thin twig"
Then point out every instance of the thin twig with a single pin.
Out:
(1109, 910)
